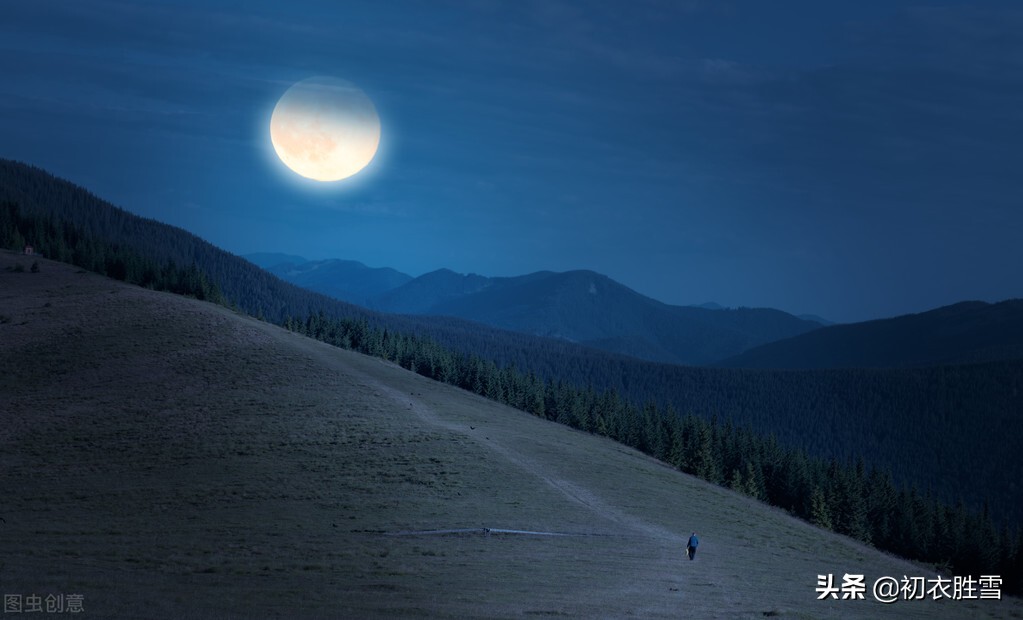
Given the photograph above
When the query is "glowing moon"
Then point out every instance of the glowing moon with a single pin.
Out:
(325, 129)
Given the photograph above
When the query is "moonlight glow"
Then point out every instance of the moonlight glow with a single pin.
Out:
(325, 129)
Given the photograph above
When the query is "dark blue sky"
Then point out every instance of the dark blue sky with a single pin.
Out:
(850, 159)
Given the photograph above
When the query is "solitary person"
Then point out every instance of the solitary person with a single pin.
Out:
(691, 546)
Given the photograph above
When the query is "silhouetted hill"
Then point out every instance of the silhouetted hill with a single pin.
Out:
(966, 332)
(346, 280)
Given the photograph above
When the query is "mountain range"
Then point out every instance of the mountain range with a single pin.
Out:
(578, 306)
(593, 310)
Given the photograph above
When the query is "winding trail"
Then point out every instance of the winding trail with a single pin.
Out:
(646, 590)
(571, 490)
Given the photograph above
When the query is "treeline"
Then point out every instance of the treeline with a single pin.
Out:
(252, 290)
(846, 497)
(60, 241)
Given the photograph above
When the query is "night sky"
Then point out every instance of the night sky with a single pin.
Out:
(850, 159)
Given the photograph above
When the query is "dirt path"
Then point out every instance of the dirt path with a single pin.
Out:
(493, 442)
(571, 490)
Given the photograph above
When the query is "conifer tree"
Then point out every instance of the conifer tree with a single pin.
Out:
(820, 513)
(706, 465)
(735, 481)
(754, 481)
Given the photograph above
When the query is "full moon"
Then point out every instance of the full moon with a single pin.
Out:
(325, 129)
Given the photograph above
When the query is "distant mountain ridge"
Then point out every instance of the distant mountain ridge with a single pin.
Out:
(579, 306)
(966, 332)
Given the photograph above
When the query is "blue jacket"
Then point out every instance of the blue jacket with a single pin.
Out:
(694, 542)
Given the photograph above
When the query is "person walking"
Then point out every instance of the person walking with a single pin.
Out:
(691, 546)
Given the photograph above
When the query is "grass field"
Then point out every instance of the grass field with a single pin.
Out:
(165, 457)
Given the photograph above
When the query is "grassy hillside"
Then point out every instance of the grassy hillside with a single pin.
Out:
(166, 457)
